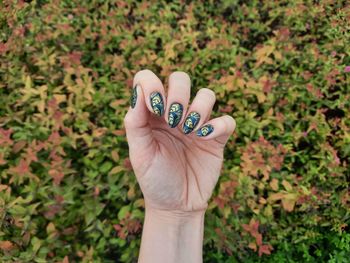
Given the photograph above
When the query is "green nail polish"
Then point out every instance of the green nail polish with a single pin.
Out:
(175, 114)
(191, 122)
(205, 130)
(157, 103)
(133, 96)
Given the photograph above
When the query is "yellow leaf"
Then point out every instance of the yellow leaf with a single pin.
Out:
(262, 55)
(261, 96)
(28, 82)
(139, 203)
(277, 55)
(262, 200)
(276, 196)
(229, 81)
(41, 106)
(131, 193)
(117, 103)
(60, 98)
(3, 187)
(115, 156)
(291, 196)
(287, 185)
(52, 59)
(274, 184)
(252, 246)
(268, 211)
(268, 61)
(50, 228)
(288, 204)
(115, 170)
(42, 90)
(227, 211)
(256, 211)
(263, 52)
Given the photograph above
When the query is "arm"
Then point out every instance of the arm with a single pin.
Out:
(170, 236)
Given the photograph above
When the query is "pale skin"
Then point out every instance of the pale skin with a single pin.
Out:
(177, 172)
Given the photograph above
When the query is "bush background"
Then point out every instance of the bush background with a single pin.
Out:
(280, 68)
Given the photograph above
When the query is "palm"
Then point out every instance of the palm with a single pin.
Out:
(189, 168)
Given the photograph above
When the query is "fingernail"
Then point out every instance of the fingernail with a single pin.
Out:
(205, 130)
(157, 103)
(175, 114)
(191, 122)
(133, 98)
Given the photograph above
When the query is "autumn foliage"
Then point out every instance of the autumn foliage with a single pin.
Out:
(280, 68)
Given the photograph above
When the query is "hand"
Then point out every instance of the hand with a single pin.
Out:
(177, 161)
(176, 153)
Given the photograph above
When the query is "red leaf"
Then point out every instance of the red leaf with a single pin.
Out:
(2, 161)
(252, 228)
(5, 137)
(22, 168)
(265, 249)
(18, 146)
(258, 238)
(56, 175)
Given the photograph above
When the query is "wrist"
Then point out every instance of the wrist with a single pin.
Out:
(175, 217)
(172, 236)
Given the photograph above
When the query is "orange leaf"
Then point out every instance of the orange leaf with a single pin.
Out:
(2, 161)
(264, 52)
(276, 196)
(3, 187)
(262, 200)
(6, 245)
(115, 156)
(274, 184)
(262, 55)
(288, 204)
(252, 246)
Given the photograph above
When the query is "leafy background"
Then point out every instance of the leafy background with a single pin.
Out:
(280, 68)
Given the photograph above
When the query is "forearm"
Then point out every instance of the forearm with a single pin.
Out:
(170, 236)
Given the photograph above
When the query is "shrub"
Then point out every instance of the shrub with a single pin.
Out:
(281, 68)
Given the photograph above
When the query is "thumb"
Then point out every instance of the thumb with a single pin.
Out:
(136, 121)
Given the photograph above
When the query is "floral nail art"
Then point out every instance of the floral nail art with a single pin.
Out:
(133, 96)
(191, 122)
(175, 114)
(205, 130)
(157, 103)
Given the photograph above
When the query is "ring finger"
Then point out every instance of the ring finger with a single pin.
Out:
(199, 111)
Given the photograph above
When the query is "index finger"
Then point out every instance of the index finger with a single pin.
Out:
(153, 91)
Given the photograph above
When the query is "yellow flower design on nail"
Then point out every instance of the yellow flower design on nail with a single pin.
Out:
(157, 103)
(175, 114)
(205, 130)
(191, 122)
